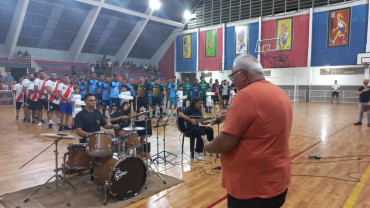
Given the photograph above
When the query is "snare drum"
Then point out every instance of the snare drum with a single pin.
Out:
(124, 177)
(130, 141)
(78, 159)
(100, 144)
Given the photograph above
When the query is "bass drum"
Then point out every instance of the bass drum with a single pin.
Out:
(124, 177)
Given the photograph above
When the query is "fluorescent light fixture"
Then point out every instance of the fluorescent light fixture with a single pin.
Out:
(188, 15)
(155, 4)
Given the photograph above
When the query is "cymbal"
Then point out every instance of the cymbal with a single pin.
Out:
(136, 128)
(60, 135)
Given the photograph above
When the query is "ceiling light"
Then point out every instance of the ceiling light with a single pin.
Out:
(155, 4)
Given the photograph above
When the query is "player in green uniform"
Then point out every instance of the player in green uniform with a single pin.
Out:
(187, 91)
(202, 85)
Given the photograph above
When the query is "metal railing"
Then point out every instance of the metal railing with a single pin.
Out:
(7, 98)
(345, 96)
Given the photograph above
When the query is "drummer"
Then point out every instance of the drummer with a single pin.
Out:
(89, 120)
(121, 117)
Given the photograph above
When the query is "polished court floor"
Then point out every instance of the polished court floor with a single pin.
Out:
(339, 179)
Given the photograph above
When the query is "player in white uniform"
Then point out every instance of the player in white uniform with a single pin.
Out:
(25, 84)
(51, 87)
(65, 91)
(41, 92)
(208, 101)
(18, 94)
(179, 96)
(126, 93)
(32, 100)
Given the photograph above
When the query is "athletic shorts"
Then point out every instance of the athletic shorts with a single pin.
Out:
(114, 102)
(105, 102)
(142, 102)
(41, 103)
(216, 98)
(99, 99)
(335, 94)
(28, 103)
(53, 107)
(24, 101)
(225, 97)
(18, 105)
(157, 101)
(173, 101)
(65, 108)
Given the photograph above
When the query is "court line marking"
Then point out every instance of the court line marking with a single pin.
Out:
(296, 155)
(358, 189)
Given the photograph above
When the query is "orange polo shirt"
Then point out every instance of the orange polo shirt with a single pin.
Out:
(259, 165)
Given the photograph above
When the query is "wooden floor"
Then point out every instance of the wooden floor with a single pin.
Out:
(318, 128)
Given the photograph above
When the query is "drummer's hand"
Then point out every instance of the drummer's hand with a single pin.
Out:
(116, 126)
(125, 117)
(222, 115)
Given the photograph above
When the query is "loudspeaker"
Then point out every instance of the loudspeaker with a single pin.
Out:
(141, 123)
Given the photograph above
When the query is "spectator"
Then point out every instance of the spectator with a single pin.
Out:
(364, 100)
(335, 87)
(26, 54)
(5, 85)
(1, 76)
(19, 54)
(109, 63)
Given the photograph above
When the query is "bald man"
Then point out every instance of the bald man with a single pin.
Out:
(254, 140)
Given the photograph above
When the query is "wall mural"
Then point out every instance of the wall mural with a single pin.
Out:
(186, 46)
(211, 43)
(284, 33)
(339, 27)
(241, 39)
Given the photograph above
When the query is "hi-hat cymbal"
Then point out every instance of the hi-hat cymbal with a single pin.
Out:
(136, 128)
(60, 135)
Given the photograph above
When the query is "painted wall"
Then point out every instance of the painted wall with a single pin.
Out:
(297, 57)
(343, 55)
(210, 63)
(186, 65)
(166, 64)
(230, 43)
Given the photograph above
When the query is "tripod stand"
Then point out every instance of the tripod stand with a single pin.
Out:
(158, 156)
(60, 180)
(146, 118)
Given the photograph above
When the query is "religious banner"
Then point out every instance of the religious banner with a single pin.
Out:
(241, 39)
(284, 33)
(339, 27)
(211, 43)
(186, 46)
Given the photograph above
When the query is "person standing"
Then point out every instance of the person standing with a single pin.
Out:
(224, 91)
(195, 89)
(9, 78)
(202, 85)
(65, 91)
(41, 94)
(142, 91)
(98, 89)
(32, 91)
(254, 141)
(51, 87)
(335, 87)
(364, 100)
(18, 94)
(187, 91)
(173, 100)
(131, 88)
(105, 94)
(92, 84)
(157, 90)
(216, 97)
(114, 90)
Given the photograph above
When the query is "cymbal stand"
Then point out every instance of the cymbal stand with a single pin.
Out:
(146, 117)
(59, 179)
(164, 157)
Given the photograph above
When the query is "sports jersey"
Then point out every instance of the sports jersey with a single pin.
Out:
(187, 89)
(114, 89)
(179, 95)
(92, 85)
(99, 85)
(127, 93)
(142, 90)
(18, 92)
(157, 90)
(194, 90)
(54, 88)
(31, 86)
(40, 83)
(131, 88)
(66, 91)
(208, 100)
(83, 89)
(202, 89)
(173, 89)
(25, 84)
(105, 87)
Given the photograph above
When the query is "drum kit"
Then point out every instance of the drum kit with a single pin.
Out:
(114, 168)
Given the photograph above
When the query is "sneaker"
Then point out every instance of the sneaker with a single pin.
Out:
(169, 115)
(25, 120)
(174, 114)
(357, 124)
(50, 125)
(28, 120)
(40, 124)
(33, 122)
(61, 128)
(197, 156)
(42, 121)
(16, 117)
(67, 128)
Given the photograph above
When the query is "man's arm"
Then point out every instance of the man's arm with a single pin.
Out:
(364, 90)
(61, 96)
(48, 90)
(81, 132)
(192, 121)
(222, 143)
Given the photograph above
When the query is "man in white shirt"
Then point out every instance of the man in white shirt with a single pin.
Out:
(25, 84)
(18, 94)
(51, 87)
(32, 100)
(65, 91)
(335, 87)
(41, 92)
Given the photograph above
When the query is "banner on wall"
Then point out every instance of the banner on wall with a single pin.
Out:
(284, 33)
(241, 39)
(211, 43)
(339, 27)
(186, 46)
